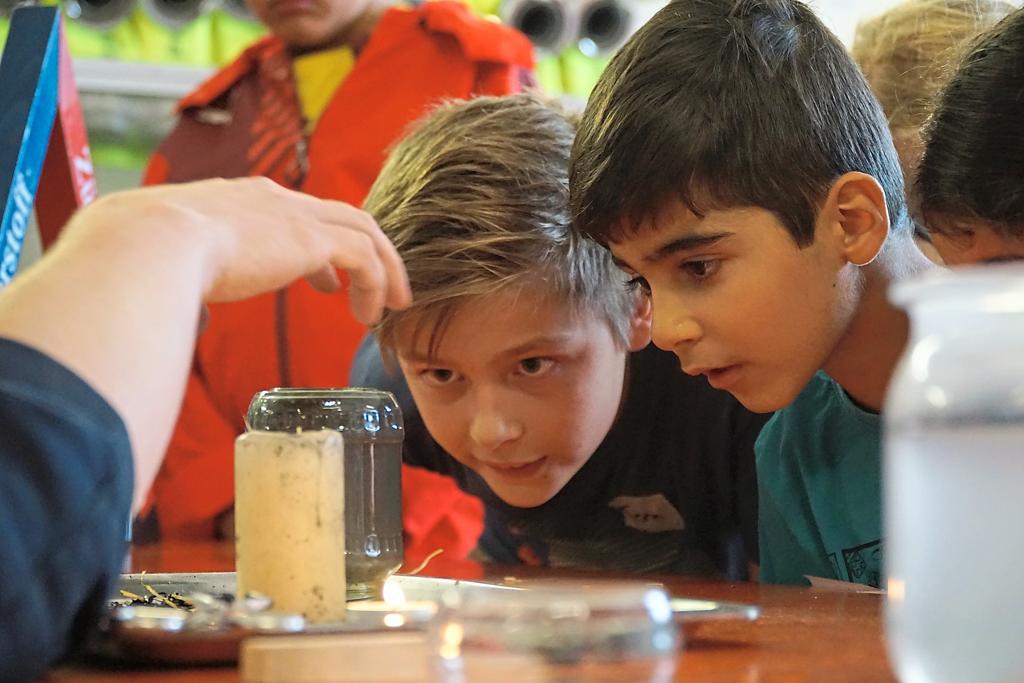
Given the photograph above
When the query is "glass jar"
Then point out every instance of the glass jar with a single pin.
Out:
(371, 423)
(954, 469)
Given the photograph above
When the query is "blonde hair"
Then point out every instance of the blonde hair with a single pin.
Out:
(909, 52)
(476, 200)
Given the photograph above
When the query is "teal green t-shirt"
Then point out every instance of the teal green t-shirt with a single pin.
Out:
(819, 486)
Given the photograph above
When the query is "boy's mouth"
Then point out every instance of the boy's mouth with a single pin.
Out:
(719, 378)
(286, 8)
(522, 470)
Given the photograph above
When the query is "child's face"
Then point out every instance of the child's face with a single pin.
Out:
(519, 390)
(735, 299)
(981, 245)
(310, 23)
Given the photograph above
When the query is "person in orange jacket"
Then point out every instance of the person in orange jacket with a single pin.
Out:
(314, 106)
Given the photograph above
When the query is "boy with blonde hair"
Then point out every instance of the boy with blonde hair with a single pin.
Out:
(525, 367)
(736, 164)
(907, 54)
(314, 106)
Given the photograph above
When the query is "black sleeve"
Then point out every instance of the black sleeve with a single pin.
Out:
(419, 449)
(65, 496)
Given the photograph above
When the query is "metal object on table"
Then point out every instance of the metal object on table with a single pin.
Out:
(213, 631)
(144, 633)
(692, 614)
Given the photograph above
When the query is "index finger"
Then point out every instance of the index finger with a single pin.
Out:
(398, 293)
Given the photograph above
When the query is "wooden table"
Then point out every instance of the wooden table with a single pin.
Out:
(802, 635)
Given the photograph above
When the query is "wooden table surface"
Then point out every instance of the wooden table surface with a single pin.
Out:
(802, 635)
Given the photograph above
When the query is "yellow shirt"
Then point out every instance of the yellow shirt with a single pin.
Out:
(317, 76)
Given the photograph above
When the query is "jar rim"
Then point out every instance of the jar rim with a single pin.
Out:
(985, 288)
(322, 392)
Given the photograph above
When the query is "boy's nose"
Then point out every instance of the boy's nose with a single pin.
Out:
(671, 329)
(491, 429)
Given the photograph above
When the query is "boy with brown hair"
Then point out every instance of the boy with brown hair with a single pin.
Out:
(968, 189)
(735, 162)
(526, 372)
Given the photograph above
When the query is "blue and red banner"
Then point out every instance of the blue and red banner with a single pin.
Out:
(44, 153)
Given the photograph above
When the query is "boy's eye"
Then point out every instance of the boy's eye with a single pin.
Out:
(639, 283)
(701, 269)
(438, 377)
(534, 367)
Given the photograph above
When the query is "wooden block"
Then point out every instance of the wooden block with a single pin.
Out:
(400, 657)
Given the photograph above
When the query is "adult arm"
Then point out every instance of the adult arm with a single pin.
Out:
(117, 299)
(96, 341)
(199, 456)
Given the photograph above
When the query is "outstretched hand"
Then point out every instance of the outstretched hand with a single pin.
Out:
(257, 236)
(115, 300)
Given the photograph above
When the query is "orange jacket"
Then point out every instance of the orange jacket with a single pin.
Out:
(298, 337)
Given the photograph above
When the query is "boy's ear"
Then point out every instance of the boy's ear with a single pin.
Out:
(856, 206)
(640, 324)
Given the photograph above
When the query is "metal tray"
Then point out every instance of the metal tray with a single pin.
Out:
(155, 635)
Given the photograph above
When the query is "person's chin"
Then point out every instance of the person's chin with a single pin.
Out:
(765, 398)
(523, 495)
(301, 32)
(528, 499)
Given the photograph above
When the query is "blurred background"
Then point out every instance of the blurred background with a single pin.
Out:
(135, 58)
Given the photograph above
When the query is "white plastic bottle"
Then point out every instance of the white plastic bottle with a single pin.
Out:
(954, 481)
(290, 521)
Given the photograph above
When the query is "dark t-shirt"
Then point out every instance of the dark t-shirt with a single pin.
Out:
(65, 494)
(671, 489)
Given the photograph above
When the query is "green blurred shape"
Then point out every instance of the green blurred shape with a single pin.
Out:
(121, 156)
(231, 35)
(5, 24)
(120, 42)
(549, 75)
(570, 73)
(579, 72)
(192, 44)
(484, 7)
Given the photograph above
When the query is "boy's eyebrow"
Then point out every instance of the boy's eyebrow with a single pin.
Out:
(544, 340)
(686, 243)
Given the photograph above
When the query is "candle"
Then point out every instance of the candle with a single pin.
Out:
(290, 521)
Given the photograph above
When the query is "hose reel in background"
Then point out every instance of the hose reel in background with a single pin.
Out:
(604, 26)
(103, 15)
(99, 15)
(551, 25)
(237, 9)
(176, 14)
(597, 27)
(7, 7)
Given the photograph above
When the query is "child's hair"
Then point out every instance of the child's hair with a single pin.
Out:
(973, 165)
(728, 103)
(908, 53)
(476, 199)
